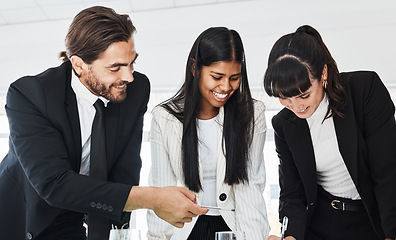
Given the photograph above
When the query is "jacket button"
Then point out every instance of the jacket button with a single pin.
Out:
(223, 197)
(93, 204)
(110, 208)
(29, 236)
(98, 206)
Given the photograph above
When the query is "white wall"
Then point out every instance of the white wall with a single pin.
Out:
(360, 34)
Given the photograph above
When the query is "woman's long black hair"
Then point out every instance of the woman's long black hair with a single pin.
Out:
(214, 45)
(297, 56)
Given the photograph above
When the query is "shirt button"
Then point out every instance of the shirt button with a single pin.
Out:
(223, 197)
(29, 236)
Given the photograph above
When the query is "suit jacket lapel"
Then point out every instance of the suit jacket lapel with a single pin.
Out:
(300, 143)
(74, 120)
(346, 131)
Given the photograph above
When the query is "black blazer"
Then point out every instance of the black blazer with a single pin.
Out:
(366, 138)
(39, 176)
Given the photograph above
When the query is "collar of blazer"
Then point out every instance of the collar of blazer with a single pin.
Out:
(72, 114)
(347, 136)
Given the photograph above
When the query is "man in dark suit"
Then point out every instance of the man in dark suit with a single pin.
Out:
(49, 181)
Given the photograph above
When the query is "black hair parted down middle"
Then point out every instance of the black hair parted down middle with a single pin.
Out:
(214, 45)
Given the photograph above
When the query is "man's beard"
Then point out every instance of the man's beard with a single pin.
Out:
(102, 90)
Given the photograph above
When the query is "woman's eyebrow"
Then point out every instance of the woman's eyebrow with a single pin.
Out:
(217, 73)
(303, 94)
(222, 74)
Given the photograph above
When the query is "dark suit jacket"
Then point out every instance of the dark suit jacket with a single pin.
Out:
(366, 138)
(39, 176)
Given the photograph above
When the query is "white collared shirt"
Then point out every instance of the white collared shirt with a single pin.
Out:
(86, 112)
(331, 170)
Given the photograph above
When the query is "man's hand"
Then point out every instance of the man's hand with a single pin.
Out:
(176, 205)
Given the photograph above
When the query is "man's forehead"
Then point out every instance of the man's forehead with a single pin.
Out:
(119, 51)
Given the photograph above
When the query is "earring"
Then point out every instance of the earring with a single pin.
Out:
(325, 83)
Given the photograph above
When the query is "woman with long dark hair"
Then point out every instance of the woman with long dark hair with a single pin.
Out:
(209, 138)
(336, 141)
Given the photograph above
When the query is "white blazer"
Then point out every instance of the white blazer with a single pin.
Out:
(247, 199)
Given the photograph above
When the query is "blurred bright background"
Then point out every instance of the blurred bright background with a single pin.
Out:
(361, 35)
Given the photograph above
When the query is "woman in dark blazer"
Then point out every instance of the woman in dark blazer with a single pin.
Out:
(336, 141)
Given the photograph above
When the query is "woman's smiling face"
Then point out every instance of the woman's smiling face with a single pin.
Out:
(216, 84)
(306, 103)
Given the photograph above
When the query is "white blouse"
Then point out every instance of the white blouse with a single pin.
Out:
(208, 131)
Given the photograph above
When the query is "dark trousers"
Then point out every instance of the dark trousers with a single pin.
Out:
(67, 226)
(331, 224)
(206, 227)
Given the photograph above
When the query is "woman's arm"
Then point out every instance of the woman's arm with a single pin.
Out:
(380, 136)
(292, 200)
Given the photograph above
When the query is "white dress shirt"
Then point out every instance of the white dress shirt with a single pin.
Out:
(86, 113)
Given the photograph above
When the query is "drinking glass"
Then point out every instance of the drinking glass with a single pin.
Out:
(125, 234)
(229, 235)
